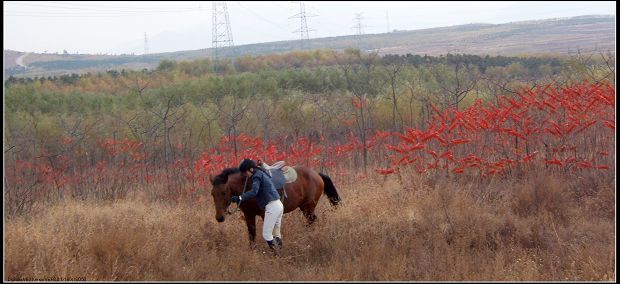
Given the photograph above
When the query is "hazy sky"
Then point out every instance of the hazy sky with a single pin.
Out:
(119, 27)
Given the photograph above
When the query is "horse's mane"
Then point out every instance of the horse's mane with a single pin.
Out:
(223, 177)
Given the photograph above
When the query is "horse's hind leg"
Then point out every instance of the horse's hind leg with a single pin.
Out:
(308, 210)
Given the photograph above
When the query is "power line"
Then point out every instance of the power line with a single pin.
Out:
(63, 11)
(90, 14)
(81, 15)
(100, 8)
(282, 7)
(119, 7)
(279, 26)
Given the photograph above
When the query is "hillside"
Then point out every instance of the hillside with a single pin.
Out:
(586, 33)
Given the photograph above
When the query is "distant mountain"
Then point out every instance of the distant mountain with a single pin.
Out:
(586, 33)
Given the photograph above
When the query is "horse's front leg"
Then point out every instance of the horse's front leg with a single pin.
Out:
(250, 221)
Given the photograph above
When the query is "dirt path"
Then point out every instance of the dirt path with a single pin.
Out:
(20, 60)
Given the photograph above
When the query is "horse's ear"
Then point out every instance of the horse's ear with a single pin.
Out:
(211, 178)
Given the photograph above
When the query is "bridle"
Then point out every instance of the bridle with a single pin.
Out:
(245, 184)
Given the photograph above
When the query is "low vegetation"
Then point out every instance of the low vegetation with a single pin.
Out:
(538, 228)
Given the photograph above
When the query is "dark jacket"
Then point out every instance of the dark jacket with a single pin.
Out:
(262, 189)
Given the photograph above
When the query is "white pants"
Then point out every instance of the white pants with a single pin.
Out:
(273, 219)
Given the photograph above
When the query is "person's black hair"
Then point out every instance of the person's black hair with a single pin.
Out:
(248, 164)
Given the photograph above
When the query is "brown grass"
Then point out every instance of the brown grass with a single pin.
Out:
(537, 229)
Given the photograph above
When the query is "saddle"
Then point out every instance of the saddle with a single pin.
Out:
(280, 176)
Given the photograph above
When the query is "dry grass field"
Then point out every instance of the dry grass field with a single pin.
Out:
(537, 228)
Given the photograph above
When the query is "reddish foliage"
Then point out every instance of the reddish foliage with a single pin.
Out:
(528, 122)
(545, 127)
(385, 171)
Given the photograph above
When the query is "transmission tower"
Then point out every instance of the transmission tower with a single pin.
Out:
(359, 28)
(222, 36)
(146, 44)
(387, 19)
(303, 29)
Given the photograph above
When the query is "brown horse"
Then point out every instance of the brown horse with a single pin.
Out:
(304, 194)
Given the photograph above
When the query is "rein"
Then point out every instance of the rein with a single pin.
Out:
(245, 184)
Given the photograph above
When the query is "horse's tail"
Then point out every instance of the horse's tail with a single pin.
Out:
(330, 190)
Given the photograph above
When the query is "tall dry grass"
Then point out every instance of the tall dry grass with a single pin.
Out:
(539, 228)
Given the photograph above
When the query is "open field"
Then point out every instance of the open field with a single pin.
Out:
(453, 168)
(534, 228)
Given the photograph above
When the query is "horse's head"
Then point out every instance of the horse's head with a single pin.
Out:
(230, 182)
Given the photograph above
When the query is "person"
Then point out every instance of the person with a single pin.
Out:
(267, 198)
